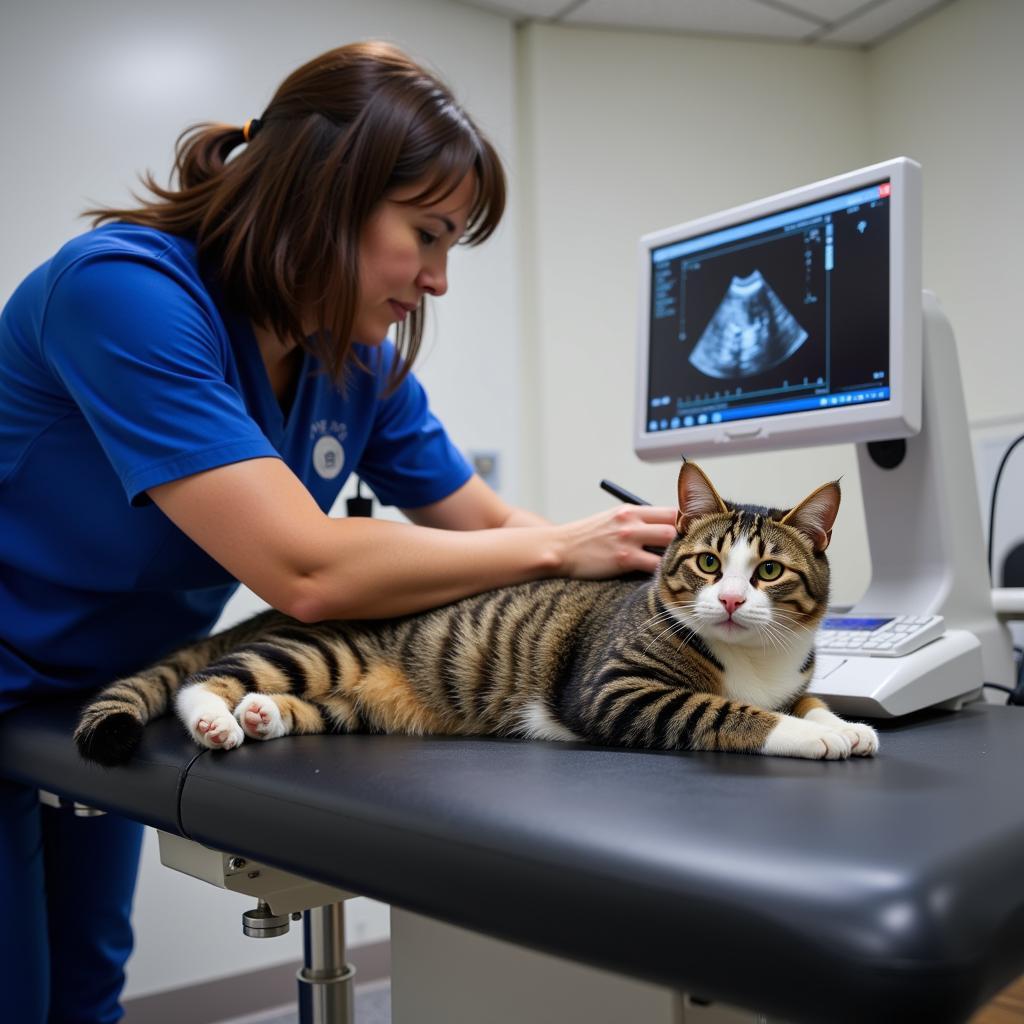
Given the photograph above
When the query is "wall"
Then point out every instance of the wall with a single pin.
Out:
(626, 132)
(948, 92)
(96, 92)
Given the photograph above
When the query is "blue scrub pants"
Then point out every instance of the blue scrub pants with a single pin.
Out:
(66, 887)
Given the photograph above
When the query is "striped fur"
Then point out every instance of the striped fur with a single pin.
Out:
(706, 655)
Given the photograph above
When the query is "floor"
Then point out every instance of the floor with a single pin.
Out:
(1006, 1008)
(373, 1006)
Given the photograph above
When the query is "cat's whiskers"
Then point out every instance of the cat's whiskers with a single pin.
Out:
(662, 616)
(756, 622)
(686, 633)
(675, 606)
(782, 613)
(764, 634)
(676, 627)
(780, 636)
(773, 622)
(670, 615)
(775, 635)
(795, 632)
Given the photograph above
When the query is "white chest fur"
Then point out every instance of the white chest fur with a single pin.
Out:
(769, 679)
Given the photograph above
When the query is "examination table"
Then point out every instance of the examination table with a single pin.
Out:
(885, 889)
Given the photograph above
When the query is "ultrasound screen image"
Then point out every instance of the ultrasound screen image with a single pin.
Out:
(751, 332)
(789, 311)
(749, 316)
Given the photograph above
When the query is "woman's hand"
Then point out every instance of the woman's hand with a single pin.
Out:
(611, 543)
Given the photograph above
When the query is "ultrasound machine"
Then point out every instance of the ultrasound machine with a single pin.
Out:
(799, 320)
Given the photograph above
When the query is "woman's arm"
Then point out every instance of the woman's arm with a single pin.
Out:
(258, 521)
(474, 506)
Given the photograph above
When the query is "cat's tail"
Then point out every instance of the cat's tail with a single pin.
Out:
(110, 725)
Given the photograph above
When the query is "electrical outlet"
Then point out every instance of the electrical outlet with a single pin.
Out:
(486, 466)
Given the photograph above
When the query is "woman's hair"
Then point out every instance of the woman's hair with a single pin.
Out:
(278, 226)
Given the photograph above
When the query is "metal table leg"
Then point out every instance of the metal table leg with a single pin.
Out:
(325, 982)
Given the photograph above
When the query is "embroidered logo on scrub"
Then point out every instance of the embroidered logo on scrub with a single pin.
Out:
(328, 454)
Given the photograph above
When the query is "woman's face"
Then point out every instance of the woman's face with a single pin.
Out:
(403, 255)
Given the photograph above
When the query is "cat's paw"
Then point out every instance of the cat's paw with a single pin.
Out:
(260, 717)
(797, 737)
(863, 739)
(216, 730)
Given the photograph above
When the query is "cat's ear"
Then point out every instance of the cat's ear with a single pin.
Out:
(816, 514)
(696, 496)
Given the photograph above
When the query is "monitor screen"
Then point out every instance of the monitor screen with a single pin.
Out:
(784, 322)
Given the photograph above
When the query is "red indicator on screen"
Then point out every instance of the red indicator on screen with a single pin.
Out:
(885, 190)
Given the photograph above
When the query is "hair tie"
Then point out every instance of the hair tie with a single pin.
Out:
(252, 126)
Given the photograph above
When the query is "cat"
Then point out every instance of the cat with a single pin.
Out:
(715, 651)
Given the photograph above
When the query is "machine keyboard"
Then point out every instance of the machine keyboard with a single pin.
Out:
(888, 637)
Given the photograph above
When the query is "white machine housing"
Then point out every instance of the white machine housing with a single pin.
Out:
(927, 557)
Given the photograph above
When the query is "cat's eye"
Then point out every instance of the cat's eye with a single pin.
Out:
(769, 571)
(708, 562)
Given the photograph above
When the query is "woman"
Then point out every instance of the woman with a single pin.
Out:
(198, 375)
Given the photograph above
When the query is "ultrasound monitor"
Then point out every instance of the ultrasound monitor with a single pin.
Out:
(788, 322)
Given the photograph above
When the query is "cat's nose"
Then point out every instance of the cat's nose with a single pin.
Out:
(731, 602)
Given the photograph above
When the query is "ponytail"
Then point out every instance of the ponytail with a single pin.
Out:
(202, 150)
(200, 155)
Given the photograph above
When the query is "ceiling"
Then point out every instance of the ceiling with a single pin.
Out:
(854, 23)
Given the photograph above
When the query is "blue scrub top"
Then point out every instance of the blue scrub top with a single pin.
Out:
(121, 369)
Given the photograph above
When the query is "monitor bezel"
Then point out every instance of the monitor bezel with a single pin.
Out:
(897, 417)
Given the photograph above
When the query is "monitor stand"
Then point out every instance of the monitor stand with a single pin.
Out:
(927, 556)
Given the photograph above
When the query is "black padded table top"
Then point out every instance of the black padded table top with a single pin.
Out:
(889, 889)
(36, 748)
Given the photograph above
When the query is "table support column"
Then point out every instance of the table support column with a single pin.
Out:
(325, 982)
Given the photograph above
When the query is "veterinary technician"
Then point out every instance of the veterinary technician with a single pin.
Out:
(184, 390)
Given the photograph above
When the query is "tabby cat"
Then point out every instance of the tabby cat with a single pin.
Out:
(714, 652)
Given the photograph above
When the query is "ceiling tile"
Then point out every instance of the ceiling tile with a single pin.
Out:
(828, 11)
(879, 22)
(521, 8)
(716, 17)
